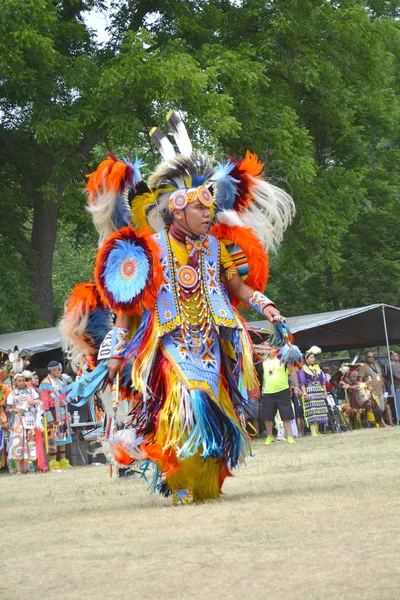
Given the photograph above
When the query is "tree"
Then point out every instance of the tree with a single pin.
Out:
(311, 86)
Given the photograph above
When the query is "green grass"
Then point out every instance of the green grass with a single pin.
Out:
(317, 520)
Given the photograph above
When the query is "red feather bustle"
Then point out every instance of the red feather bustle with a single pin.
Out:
(145, 299)
(257, 258)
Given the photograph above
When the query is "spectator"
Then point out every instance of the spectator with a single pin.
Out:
(360, 408)
(395, 364)
(4, 425)
(35, 381)
(57, 416)
(327, 374)
(297, 404)
(276, 396)
(312, 383)
(21, 403)
(372, 369)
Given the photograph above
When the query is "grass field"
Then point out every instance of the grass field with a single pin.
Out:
(317, 520)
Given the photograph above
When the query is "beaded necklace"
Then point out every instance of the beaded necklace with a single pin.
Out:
(195, 312)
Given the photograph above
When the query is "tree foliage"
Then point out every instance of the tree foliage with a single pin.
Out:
(312, 86)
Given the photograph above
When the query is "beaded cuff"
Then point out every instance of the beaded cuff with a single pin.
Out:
(259, 302)
(119, 341)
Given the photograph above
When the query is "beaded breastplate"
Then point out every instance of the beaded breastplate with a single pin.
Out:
(192, 297)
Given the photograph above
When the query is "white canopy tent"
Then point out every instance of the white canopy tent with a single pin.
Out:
(363, 327)
(337, 330)
(32, 342)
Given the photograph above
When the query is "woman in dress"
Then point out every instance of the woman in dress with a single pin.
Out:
(22, 403)
(312, 384)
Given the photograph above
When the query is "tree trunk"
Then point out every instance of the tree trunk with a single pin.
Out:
(43, 240)
(331, 285)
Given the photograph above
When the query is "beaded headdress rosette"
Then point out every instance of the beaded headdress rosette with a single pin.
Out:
(180, 199)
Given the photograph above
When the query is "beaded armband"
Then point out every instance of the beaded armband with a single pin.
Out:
(119, 341)
(259, 302)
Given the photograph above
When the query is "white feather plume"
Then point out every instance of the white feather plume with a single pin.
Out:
(314, 350)
(269, 214)
(163, 144)
(180, 134)
(102, 210)
(230, 218)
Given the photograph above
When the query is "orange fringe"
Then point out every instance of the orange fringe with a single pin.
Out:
(165, 459)
(257, 258)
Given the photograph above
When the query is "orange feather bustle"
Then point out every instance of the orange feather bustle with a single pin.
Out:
(155, 279)
(165, 459)
(84, 297)
(95, 179)
(246, 170)
(257, 258)
(224, 473)
(83, 300)
(121, 456)
(112, 173)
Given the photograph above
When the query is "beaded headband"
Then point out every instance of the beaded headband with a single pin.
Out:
(181, 198)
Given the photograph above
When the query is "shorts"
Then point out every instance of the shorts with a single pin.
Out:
(279, 401)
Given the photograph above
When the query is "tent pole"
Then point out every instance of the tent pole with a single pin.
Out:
(388, 348)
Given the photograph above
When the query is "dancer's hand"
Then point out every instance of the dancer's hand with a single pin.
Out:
(114, 365)
(272, 314)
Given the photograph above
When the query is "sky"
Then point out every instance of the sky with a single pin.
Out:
(98, 21)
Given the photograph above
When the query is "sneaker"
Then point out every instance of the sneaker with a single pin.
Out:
(269, 440)
(183, 497)
(290, 440)
(54, 465)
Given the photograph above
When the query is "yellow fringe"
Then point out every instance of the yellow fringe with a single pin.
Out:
(199, 475)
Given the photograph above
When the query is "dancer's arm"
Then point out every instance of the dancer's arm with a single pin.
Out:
(115, 362)
(244, 293)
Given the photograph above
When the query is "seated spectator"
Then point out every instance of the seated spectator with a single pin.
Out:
(361, 400)
(336, 378)
(357, 408)
(372, 369)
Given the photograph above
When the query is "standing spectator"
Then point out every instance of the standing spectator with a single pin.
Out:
(21, 403)
(372, 369)
(327, 374)
(395, 363)
(4, 425)
(35, 381)
(312, 383)
(57, 415)
(276, 396)
(297, 404)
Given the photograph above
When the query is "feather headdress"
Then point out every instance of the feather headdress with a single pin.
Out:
(263, 207)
